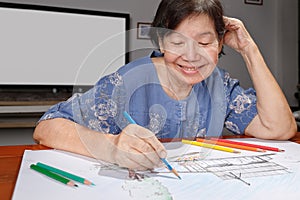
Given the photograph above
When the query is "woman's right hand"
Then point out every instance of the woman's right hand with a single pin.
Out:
(137, 148)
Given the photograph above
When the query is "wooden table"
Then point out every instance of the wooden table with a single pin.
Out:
(10, 161)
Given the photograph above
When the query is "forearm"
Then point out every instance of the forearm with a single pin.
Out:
(66, 135)
(135, 147)
(273, 110)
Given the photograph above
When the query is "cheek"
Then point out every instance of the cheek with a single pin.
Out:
(170, 57)
(214, 55)
(210, 54)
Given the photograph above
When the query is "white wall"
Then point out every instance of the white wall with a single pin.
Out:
(273, 26)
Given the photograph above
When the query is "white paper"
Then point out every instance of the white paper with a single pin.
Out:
(205, 185)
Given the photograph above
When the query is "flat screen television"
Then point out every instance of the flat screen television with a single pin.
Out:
(56, 46)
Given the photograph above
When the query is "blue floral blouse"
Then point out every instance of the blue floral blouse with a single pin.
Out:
(214, 103)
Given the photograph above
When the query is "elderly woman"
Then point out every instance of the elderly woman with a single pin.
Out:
(176, 92)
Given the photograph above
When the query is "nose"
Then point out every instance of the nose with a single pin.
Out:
(192, 51)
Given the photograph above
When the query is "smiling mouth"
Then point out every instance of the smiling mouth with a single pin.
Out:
(185, 68)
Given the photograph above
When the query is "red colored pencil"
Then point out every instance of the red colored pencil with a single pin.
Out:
(249, 145)
(226, 144)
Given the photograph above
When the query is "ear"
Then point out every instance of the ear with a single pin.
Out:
(220, 47)
(161, 45)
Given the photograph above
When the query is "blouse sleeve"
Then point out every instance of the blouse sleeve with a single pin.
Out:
(93, 109)
(241, 105)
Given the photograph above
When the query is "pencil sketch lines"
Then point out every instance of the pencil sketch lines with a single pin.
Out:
(239, 177)
(246, 167)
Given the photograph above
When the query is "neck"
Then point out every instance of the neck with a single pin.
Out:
(176, 90)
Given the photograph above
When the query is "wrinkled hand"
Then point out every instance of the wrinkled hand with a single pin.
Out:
(236, 36)
(137, 148)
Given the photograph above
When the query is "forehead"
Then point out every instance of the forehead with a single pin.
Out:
(197, 25)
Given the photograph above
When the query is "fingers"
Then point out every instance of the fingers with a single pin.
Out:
(138, 148)
(133, 159)
(236, 36)
(232, 24)
(152, 143)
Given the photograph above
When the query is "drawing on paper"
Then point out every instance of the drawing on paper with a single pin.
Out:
(114, 171)
(138, 184)
(242, 167)
(148, 188)
(237, 168)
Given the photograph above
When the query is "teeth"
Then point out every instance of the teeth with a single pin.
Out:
(190, 68)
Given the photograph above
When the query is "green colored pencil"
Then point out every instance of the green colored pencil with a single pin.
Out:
(53, 175)
(65, 174)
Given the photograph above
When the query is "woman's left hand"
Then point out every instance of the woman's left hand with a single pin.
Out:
(236, 36)
(274, 119)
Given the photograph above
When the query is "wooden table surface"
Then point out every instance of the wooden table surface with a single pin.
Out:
(10, 161)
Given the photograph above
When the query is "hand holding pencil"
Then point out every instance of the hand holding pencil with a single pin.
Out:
(137, 148)
(129, 118)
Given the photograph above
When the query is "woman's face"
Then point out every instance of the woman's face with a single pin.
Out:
(191, 50)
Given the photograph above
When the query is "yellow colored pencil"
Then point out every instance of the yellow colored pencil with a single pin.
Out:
(210, 146)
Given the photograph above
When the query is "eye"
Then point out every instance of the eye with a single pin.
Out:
(175, 40)
(204, 43)
(177, 43)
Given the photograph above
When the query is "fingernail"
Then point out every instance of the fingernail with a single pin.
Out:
(163, 154)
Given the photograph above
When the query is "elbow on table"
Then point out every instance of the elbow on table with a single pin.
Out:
(286, 132)
(272, 130)
(38, 134)
(43, 133)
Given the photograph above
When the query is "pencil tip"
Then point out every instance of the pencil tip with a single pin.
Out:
(86, 182)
